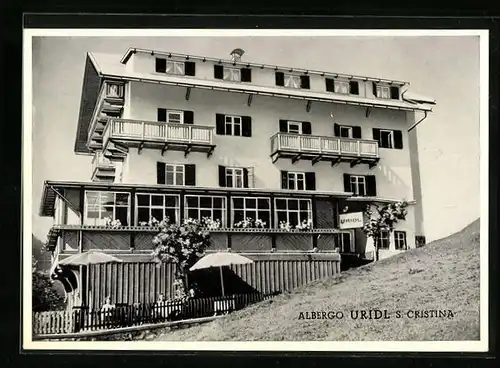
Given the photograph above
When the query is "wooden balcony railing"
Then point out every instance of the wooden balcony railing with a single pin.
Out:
(149, 131)
(310, 144)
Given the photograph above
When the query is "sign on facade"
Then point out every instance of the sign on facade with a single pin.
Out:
(351, 220)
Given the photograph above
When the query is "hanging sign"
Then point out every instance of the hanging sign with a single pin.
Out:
(351, 220)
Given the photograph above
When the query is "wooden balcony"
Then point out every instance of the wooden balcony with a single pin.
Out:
(322, 148)
(103, 169)
(165, 136)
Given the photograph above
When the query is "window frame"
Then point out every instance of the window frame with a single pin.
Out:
(355, 184)
(86, 207)
(231, 72)
(177, 208)
(391, 142)
(380, 88)
(181, 114)
(173, 63)
(295, 180)
(294, 122)
(288, 76)
(175, 166)
(400, 236)
(233, 124)
(349, 130)
(385, 236)
(199, 208)
(341, 83)
(288, 211)
(245, 210)
(231, 171)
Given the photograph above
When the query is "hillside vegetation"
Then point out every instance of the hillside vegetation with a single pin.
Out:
(443, 275)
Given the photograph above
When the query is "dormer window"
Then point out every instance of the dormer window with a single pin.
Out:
(175, 67)
(292, 80)
(342, 86)
(232, 74)
(386, 92)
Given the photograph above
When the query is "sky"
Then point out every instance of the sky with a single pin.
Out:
(445, 68)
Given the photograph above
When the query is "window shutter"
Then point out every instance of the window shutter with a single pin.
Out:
(161, 65)
(306, 127)
(222, 176)
(188, 117)
(354, 88)
(284, 179)
(219, 124)
(336, 130)
(246, 126)
(245, 178)
(280, 79)
(305, 82)
(398, 139)
(329, 85)
(160, 172)
(162, 114)
(376, 134)
(190, 174)
(246, 74)
(356, 132)
(395, 93)
(190, 68)
(283, 126)
(218, 72)
(374, 85)
(310, 181)
(371, 186)
(347, 183)
(404, 237)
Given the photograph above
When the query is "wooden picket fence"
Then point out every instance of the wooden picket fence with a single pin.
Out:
(83, 319)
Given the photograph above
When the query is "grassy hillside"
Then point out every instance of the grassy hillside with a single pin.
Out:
(443, 275)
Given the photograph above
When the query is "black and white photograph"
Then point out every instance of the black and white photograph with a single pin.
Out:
(255, 190)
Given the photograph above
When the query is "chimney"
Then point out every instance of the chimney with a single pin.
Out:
(236, 54)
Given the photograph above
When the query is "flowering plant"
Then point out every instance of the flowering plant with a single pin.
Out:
(153, 222)
(284, 225)
(250, 223)
(304, 225)
(210, 224)
(114, 224)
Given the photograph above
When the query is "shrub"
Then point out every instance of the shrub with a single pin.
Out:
(45, 297)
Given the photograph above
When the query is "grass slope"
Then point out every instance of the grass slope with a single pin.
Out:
(442, 275)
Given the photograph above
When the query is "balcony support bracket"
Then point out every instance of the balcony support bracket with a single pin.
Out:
(355, 162)
(374, 163)
(316, 160)
(335, 161)
(249, 102)
(164, 148)
(275, 157)
(210, 151)
(141, 146)
(368, 110)
(188, 92)
(187, 150)
(296, 158)
(308, 106)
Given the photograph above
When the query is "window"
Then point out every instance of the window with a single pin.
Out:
(232, 74)
(174, 116)
(240, 126)
(102, 205)
(157, 206)
(383, 240)
(400, 240)
(234, 177)
(295, 127)
(345, 131)
(343, 241)
(388, 138)
(383, 92)
(292, 81)
(296, 180)
(175, 67)
(341, 87)
(292, 210)
(257, 208)
(358, 185)
(233, 125)
(174, 174)
(114, 90)
(197, 207)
